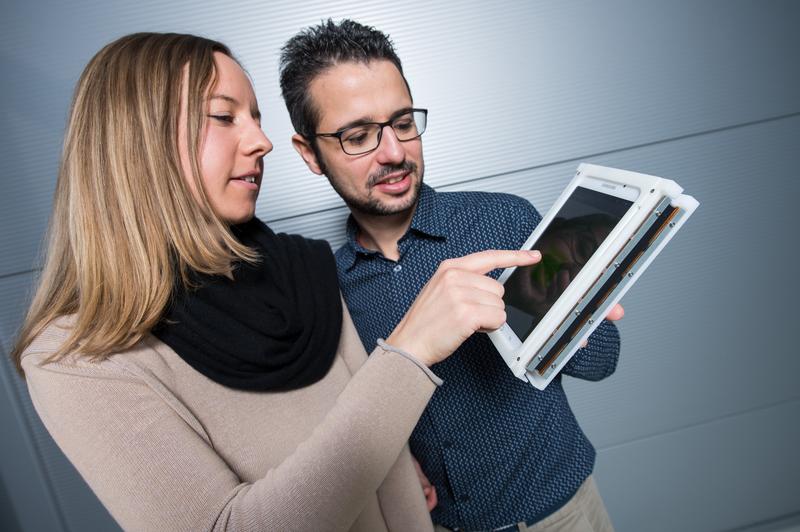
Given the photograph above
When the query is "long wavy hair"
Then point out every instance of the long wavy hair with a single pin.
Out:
(126, 227)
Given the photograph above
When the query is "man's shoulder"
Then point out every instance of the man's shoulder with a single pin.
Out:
(343, 254)
(480, 201)
(495, 208)
(483, 220)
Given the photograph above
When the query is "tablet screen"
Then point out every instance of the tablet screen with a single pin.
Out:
(581, 225)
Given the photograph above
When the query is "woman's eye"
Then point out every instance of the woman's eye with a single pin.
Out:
(222, 118)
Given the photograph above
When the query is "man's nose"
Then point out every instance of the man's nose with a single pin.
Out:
(390, 150)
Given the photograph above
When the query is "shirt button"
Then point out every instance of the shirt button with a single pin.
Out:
(398, 268)
(447, 444)
(464, 498)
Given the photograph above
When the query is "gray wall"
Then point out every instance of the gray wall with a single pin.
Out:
(699, 427)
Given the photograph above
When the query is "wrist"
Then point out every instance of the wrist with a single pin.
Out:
(405, 354)
(402, 342)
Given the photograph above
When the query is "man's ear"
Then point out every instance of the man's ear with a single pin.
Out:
(303, 147)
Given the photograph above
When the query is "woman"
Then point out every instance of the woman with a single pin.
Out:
(199, 370)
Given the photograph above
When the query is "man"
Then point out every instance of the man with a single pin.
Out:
(500, 454)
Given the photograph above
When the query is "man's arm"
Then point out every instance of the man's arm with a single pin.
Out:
(598, 359)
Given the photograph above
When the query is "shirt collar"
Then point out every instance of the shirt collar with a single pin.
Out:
(429, 219)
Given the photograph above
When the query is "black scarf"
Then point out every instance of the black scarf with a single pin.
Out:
(275, 326)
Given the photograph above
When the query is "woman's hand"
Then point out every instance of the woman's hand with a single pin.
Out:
(457, 301)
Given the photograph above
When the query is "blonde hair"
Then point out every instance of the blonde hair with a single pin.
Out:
(125, 227)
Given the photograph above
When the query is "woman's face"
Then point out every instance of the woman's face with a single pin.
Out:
(232, 145)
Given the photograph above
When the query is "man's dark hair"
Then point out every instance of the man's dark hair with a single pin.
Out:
(318, 48)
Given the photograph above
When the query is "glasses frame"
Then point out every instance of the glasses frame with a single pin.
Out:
(338, 134)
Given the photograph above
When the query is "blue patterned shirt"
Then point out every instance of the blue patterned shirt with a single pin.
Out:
(497, 450)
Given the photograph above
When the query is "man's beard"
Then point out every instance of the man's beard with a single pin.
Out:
(372, 206)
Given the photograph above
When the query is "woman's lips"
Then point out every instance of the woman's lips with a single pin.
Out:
(247, 181)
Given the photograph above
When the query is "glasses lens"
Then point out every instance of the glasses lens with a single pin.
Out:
(410, 125)
(360, 139)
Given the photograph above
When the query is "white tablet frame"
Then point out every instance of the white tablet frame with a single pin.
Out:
(558, 326)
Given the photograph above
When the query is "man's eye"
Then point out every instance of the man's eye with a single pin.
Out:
(222, 118)
(356, 139)
(404, 124)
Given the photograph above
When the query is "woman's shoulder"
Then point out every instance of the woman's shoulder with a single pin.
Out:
(37, 357)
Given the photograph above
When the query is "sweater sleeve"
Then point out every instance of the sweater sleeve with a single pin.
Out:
(153, 471)
(395, 498)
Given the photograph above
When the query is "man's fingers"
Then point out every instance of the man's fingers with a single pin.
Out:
(481, 283)
(486, 261)
(483, 298)
(616, 313)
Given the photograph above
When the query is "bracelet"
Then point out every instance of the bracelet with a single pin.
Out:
(431, 375)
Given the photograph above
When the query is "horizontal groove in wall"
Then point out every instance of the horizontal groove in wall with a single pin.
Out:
(711, 421)
(14, 274)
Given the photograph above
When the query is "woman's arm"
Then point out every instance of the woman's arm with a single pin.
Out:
(152, 470)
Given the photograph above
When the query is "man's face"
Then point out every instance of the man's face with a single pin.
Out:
(384, 181)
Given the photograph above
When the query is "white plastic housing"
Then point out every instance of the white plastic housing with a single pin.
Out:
(646, 192)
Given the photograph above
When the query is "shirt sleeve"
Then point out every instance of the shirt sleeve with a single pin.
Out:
(154, 471)
(598, 359)
(525, 219)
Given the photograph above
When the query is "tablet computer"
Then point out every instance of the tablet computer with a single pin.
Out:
(600, 235)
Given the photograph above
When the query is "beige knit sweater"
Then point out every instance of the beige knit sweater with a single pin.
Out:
(165, 448)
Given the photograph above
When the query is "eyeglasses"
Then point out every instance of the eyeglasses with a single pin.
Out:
(366, 137)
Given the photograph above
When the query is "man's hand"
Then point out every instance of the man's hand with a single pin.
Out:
(614, 314)
(427, 488)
